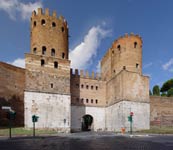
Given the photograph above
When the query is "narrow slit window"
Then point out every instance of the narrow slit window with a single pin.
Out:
(91, 100)
(96, 101)
(35, 50)
(55, 64)
(35, 23)
(51, 85)
(43, 50)
(137, 65)
(96, 87)
(87, 86)
(124, 67)
(62, 29)
(82, 100)
(52, 52)
(92, 87)
(119, 47)
(135, 44)
(86, 100)
(82, 86)
(42, 62)
(63, 55)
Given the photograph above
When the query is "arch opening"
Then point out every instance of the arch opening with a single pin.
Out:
(87, 121)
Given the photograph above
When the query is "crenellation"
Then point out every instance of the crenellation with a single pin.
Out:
(40, 11)
(54, 14)
(76, 72)
(87, 74)
(92, 75)
(47, 12)
(81, 73)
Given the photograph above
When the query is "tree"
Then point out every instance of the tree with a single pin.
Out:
(170, 92)
(156, 90)
(167, 85)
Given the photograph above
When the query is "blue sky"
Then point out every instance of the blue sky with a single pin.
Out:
(93, 26)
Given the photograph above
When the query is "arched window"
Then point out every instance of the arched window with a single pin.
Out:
(63, 55)
(53, 24)
(43, 22)
(34, 50)
(135, 44)
(91, 100)
(92, 87)
(43, 50)
(55, 64)
(86, 100)
(96, 101)
(119, 47)
(35, 23)
(52, 52)
(96, 87)
(87, 86)
(82, 86)
(51, 85)
(82, 100)
(62, 29)
(42, 62)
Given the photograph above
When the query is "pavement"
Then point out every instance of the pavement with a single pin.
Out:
(89, 141)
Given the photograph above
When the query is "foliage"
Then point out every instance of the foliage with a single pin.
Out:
(170, 92)
(156, 90)
(167, 85)
(163, 94)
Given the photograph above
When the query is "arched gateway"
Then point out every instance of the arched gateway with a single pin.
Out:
(86, 124)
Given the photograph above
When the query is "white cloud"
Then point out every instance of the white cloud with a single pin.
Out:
(81, 56)
(98, 67)
(14, 7)
(168, 65)
(19, 62)
(148, 65)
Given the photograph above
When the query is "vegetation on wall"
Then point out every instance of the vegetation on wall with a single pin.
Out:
(165, 90)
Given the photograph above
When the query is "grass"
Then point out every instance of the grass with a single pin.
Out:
(158, 130)
(27, 132)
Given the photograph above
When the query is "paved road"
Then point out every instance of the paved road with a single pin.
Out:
(88, 141)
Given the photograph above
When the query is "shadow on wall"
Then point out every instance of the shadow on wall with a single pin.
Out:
(17, 105)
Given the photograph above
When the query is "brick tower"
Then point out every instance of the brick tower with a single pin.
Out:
(47, 90)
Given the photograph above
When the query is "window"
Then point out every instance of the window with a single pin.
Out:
(91, 100)
(43, 22)
(96, 101)
(55, 64)
(43, 50)
(119, 47)
(82, 86)
(35, 50)
(87, 86)
(35, 23)
(42, 62)
(137, 65)
(124, 67)
(53, 24)
(52, 52)
(92, 87)
(82, 100)
(113, 52)
(62, 29)
(51, 85)
(135, 44)
(96, 87)
(63, 55)
(86, 100)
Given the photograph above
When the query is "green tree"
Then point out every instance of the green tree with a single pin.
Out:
(167, 85)
(156, 90)
(163, 94)
(170, 92)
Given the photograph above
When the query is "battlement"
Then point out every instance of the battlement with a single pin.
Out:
(135, 38)
(85, 74)
(46, 13)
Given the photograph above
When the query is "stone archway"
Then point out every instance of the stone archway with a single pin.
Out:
(87, 121)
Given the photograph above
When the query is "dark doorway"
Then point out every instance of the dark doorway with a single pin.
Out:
(87, 121)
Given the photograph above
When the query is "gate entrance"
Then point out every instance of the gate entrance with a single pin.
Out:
(87, 121)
